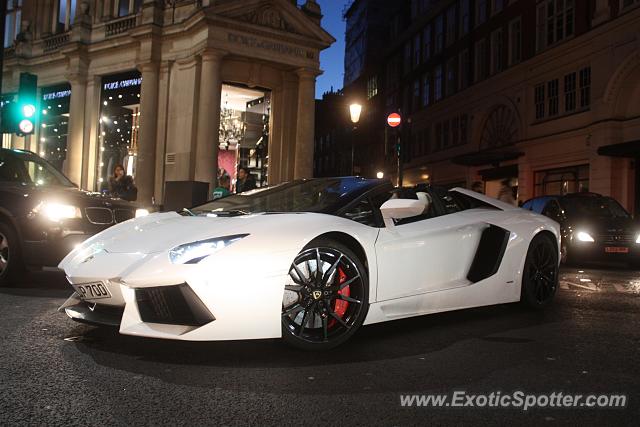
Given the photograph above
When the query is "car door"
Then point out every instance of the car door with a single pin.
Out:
(431, 253)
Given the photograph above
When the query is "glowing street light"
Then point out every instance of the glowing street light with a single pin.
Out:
(355, 110)
(380, 175)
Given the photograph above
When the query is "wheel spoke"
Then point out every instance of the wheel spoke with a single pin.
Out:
(293, 310)
(293, 288)
(330, 271)
(349, 299)
(304, 321)
(338, 318)
(301, 279)
(318, 267)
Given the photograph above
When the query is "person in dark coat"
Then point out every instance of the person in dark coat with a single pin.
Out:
(121, 185)
(245, 181)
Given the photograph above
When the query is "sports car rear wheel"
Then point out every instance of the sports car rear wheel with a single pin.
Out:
(326, 298)
(540, 274)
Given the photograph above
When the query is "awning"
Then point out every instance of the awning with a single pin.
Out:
(623, 149)
(487, 157)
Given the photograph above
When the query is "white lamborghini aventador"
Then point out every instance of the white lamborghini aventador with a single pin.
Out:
(311, 261)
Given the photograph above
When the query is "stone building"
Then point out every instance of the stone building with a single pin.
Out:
(172, 89)
(541, 92)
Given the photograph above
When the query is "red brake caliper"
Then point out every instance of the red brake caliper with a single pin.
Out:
(340, 307)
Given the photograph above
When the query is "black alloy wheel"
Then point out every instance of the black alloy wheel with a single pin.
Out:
(327, 297)
(540, 274)
(10, 261)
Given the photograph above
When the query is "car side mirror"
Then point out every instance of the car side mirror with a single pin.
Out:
(401, 208)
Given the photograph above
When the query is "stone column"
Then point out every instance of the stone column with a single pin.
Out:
(303, 167)
(146, 158)
(73, 163)
(206, 169)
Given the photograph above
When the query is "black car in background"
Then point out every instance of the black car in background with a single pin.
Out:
(593, 227)
(43, 215)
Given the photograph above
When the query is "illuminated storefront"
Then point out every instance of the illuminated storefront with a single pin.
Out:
(54, 124)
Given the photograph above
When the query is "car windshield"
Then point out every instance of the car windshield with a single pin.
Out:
(27, 168)
(324, 195)
(602, 207)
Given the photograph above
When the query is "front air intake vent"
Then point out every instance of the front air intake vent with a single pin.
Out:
(172, 305)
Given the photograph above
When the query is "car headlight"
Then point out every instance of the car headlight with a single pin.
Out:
(638, 239)
(192, 253)
(583, 236)
(57, 211)
(141, 212)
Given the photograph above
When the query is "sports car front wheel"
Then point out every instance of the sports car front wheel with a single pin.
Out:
(540, 274)
(326, 298)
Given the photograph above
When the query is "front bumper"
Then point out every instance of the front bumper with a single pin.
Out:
(594, 251)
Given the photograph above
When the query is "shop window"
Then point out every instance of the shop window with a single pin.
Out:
(464, 17)
(451, 25)
(119, 125)
(562, 180)
(539, 101)
(66, 15)
(570, 92)
(12, 21)
(585, 87)
(439, 33)
(552, 90)
(515, 41)
(426, 43)
(54, 122)
(497, 51)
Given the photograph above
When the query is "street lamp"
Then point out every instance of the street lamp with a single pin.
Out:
(354, 111)
(380, 175)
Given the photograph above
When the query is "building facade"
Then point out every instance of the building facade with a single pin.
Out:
(174, 90)
(543, 93)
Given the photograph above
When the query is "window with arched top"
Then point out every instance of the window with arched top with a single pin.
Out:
(500, 129)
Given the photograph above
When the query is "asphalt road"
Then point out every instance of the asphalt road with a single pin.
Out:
(54, 371)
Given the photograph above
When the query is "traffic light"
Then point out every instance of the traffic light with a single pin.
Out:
(27, 97)
(20, 116)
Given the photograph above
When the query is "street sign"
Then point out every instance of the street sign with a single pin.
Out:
(394, 120)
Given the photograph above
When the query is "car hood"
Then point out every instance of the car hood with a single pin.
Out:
(162, 231)
(77, 197)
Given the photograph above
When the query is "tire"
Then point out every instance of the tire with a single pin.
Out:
(320, 312)
(540, 273)
(11, 262)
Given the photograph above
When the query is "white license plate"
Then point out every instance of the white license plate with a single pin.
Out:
(91, 291)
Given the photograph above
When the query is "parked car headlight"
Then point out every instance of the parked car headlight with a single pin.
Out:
(583, 236)
(141, 212)
(57, 211)
(191, 253)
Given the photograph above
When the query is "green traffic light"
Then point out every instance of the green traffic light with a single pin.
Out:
(28, 110)
(26, 126)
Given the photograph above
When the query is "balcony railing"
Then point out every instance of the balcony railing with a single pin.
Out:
(121, 25)
(54, 42)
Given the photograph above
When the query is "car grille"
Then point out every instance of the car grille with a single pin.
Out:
(616, 239)
(122, 215)
(172, 305)
(100, 216)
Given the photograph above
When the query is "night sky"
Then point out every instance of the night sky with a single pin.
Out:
(332, 59)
